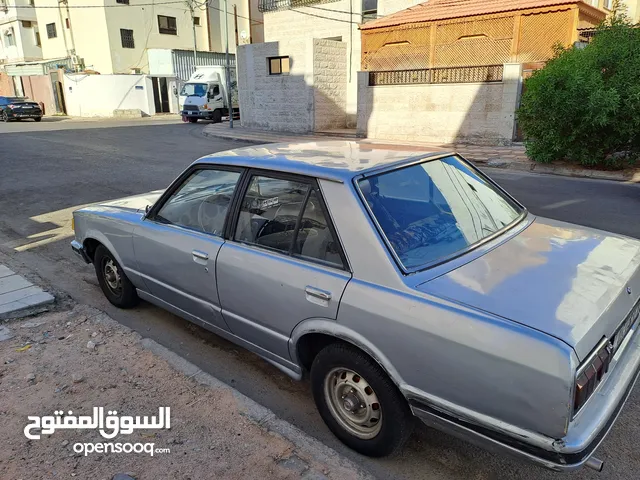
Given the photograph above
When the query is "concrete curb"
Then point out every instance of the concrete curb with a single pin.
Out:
(259, 414)
(560, 170)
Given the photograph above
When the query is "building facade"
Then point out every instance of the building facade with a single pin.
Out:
(19, 35)
(294, 22)
(631, 7)
(115, 35)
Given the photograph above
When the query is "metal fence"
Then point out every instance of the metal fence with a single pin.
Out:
(184, 64)
(476, 74)
(276, 5)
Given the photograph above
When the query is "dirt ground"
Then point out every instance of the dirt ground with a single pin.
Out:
(50, 365)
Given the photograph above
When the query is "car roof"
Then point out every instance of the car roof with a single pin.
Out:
(331, 160)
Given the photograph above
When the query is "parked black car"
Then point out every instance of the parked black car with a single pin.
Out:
(17, 108)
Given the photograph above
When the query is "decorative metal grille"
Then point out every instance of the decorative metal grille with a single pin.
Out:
(483, 40)
(476, 74)
(276, 5)
(586, 35)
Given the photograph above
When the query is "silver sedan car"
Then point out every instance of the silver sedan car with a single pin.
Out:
(405, 284)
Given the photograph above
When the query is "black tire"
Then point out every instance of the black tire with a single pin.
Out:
(125, 296)
(217, 116)
(5, 117)
(397, 422)
(193, 120)
(38, 119)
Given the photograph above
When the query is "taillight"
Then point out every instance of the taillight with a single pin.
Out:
(591, 373)
(12, 106)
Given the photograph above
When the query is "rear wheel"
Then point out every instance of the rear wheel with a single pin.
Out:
(114, 283)
(359, 402)
(5, 117)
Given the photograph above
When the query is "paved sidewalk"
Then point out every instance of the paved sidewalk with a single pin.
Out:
(17, 294)
(511, 157)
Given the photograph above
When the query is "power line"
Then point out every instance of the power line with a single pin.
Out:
(96, 6)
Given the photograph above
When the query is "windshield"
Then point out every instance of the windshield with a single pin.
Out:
(194, 89)
(434, 209)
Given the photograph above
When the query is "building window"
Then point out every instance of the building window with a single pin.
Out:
(369, 10)
(123, 2)
(167, 25)
(32, 3)
(196, 21)
(608, 4)
(9, 40)
(67, 23)
(51, 30)
(37, 35)
(126, 36)
(27, 24)
(278, 65)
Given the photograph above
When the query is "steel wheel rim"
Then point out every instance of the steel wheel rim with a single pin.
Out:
(111, 276)
(353, 403)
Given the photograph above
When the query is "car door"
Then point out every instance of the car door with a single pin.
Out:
(177, 244)
(282, 262)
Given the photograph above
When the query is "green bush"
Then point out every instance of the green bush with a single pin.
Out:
(584, 105)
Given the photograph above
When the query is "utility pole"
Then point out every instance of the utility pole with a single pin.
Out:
(235, 21)
(250, 22)
(195, 41)
(228, 66)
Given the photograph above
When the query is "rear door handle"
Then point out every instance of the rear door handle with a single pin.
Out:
(200, 255)
(317, 293)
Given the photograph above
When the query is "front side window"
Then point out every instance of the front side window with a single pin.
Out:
(270, 211)
(432, 210)
(167, 25)
(194, 90)
(201, 202)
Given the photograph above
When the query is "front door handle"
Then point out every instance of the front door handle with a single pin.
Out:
(317, 293)
(200, 255)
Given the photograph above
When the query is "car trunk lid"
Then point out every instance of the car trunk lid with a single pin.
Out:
(574, 283)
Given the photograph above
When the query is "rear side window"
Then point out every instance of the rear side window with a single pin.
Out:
(287, 216)
(315, 239)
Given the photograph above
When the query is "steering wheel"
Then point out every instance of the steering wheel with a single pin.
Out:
(211, 210)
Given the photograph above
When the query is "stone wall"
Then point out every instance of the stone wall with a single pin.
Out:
(479, 113)
(276, 102)
(329, 84)
(6, 85)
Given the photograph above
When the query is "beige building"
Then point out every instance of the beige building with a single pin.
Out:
(632, 7)
(114, 37)
(299, 22)
(19, 38)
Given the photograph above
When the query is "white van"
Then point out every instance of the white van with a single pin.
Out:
(205, 94)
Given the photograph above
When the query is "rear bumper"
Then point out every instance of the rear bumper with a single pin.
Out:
(11, 114)
(586, 432)
(79, 250)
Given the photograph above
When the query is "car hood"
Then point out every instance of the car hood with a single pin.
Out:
(568, 281)
(136, 202)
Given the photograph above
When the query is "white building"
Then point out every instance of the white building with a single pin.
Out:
(114, 37)
(19, 37)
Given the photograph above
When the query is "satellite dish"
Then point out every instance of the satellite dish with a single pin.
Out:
(243, 35)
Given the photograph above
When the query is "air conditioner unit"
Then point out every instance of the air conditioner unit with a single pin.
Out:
(3, 6)
(136, 71)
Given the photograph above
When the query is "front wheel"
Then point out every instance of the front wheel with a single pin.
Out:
(38, 119)
(193, 120)
(114, 283)
(5, 117)
(359, 402)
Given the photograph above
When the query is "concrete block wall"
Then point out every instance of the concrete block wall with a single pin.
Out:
(281, 103)
(305, 24)
(329, 84)
(478, 113)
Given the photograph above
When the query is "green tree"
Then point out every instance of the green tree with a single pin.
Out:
(584, 105)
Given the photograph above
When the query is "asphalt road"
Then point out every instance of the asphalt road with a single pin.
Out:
(51, 168)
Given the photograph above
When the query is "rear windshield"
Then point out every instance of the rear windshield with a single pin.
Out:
(432, 210)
